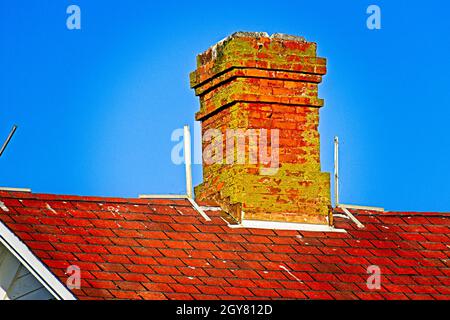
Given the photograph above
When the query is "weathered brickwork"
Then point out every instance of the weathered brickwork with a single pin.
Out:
(255, 81)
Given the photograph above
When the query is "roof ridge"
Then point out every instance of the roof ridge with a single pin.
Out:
(80, 198)
(400, 213)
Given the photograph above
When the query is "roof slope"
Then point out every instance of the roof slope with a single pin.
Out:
(164, 249)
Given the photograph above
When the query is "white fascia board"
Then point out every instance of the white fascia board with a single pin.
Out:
(273, 225)
(33, 264)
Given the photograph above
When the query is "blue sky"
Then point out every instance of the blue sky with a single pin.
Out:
(96, 107)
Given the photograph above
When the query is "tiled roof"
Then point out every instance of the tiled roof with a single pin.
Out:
(164, 249)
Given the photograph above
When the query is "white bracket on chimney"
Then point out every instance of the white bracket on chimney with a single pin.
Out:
(200, 210)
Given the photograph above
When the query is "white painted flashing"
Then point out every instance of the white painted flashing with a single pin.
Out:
(258, 224)
(34, 265)
(27, 190)
(207, 208)
(343, 216)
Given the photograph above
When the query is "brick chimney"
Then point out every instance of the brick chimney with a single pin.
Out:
(264, 88)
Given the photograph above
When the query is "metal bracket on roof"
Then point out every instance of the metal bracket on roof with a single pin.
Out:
(189, 189)
(197, 207)
(351, 216)
(345, 207)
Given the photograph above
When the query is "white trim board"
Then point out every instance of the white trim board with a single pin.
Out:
(33, 264)
(259, 224)
(357, 207)
(26, 190)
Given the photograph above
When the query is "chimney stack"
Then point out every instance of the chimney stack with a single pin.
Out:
(262, 90)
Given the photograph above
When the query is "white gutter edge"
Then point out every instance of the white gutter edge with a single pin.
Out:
(34, 265)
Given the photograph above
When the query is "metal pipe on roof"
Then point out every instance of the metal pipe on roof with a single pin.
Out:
(188, 162)
(336, 171)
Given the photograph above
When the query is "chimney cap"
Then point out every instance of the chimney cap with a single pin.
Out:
(284, 36)
(281, 36)
(295, 43)
(256, 35)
